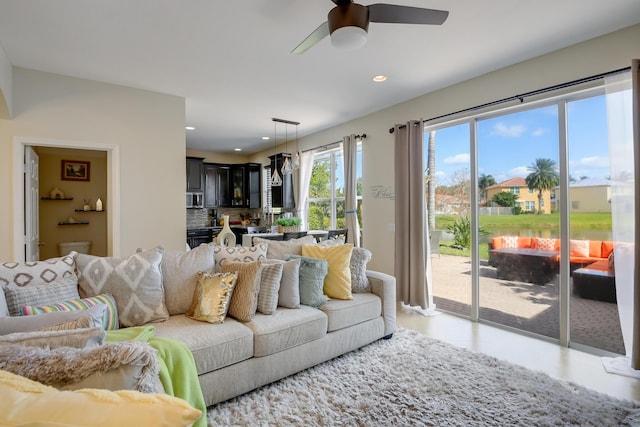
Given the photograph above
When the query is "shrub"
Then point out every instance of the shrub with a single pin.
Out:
(289, 222)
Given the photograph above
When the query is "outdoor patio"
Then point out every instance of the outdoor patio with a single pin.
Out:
(525, 306)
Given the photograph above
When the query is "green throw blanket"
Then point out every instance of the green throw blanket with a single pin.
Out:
(177, 368)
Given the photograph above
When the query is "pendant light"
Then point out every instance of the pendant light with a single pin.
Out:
(286, 165)
(276, 181)
(296, 157)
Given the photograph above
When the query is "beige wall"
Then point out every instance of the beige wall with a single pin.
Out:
(590, 199)
(6, 101)
(54, 211)
(147, 128)
(610, 52)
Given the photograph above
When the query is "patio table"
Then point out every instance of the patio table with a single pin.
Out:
(526, 265)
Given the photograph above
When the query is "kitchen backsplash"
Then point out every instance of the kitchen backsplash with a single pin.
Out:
(199, 218)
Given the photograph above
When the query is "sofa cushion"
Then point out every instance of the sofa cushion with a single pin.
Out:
(270, 277)
(58, 290)
(286, 328)
(545, 244)
(337, 282)
(280, 249)
(76, 338)
(344, 313)
(135, 283)
(9, 325)
(244, 300)
(607, 248)
(579, 248)
(595, 248)
(289, 292)
(109, 319)
(213, 346)
(25, 402)
(239, 254)
(179, 275)
(211, 297)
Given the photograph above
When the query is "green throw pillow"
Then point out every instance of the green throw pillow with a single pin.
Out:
(312, 274)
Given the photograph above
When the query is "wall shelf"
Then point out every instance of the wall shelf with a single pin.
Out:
(90, 210)
(74, 223)
(56, 198)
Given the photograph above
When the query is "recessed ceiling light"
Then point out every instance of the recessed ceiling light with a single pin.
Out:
(265, 138)
(237, 149)
(189, 128)
(379, 78)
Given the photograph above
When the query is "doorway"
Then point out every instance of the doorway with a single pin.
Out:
(109, 217)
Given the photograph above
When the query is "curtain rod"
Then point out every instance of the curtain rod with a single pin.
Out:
(525, 95)
(330, 145)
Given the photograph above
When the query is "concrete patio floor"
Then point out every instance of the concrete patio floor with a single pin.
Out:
(526, 306)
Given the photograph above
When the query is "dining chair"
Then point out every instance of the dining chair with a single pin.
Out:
(293, 235)
(337, 234)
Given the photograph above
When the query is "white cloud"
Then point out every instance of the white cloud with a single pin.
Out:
(593, 162)
(439, 174)
(503, 130)
(519, 171)
(539, 132)
(462, 158)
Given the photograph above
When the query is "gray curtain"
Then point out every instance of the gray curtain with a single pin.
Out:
(412, 259)
(635, 89)
(349, 157)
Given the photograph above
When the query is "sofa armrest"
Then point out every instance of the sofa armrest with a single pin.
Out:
(384, 285)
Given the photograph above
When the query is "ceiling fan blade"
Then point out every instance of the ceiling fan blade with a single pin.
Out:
(318, 34)
(394, 14)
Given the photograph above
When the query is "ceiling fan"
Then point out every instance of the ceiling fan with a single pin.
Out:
(348, 22)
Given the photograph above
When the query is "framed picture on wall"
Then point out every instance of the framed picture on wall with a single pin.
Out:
(75, 170)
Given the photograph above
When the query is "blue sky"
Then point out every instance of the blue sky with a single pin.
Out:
(508, 144)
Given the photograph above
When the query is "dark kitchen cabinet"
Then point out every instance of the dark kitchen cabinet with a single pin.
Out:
(217, 185)
(253, 185)
(237, 186)
(282, 196)
(195, 167)
(198, 236)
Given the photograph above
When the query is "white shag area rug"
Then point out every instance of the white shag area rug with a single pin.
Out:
(412, 380)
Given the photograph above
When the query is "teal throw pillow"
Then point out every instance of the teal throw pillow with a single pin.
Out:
(312, 274)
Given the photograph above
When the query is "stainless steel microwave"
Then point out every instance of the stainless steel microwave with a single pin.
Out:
(195, 200)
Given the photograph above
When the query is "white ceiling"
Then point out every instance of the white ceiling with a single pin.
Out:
(230, 60)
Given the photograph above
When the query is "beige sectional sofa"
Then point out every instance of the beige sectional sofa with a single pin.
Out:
(233, 357)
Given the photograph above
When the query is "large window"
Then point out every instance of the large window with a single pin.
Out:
(326, 190)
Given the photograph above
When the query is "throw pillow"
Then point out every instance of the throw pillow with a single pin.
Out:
(80, 323)
(510, 242)
(279, 249)
(611, 262)
(579, 248)
(76, 338)
(337, 282)
(543, 244)
(58, 290)
(109, 318)
(135, 283)
(180, 275)
(312, 274)
(358, 266)
(239, 254)
(244, 301)
(21, 274)
(211, 297)
(270, 277)
(289, 292)
(26, 402)
(9, 325)
(4, 310)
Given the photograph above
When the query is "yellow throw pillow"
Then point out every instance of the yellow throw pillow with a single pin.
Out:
(244, 301)
(26, 402)
(211, 296)
(337, 283)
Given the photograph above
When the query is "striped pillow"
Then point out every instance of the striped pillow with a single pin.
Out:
(269, 287)
(109, 319)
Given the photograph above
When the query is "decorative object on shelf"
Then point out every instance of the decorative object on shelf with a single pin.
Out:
(87, 206)
(56, 193)
(99, 205)
(226, 237)
(75, 170)
(288, 225)
(72, 220)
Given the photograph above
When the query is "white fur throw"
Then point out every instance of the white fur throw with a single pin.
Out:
(65, 365)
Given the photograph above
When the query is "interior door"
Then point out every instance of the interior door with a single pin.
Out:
(31, 209)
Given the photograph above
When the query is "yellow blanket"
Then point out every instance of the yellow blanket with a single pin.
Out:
(177, 368)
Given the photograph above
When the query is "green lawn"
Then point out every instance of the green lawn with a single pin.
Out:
(494, 224)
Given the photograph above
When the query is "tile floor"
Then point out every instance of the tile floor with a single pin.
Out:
(559, 362)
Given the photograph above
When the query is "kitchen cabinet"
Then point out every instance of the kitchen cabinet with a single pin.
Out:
(198, 236)
(247, 186)
(195, 167)
(282, 196)
(217, 185)
(237, 186)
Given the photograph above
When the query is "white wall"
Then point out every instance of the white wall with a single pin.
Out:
(147, 127)
(606, 53)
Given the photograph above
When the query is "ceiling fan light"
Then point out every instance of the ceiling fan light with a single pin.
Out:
(349, 37)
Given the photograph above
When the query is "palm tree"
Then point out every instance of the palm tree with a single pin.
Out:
(484, 182)
(543, 177)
